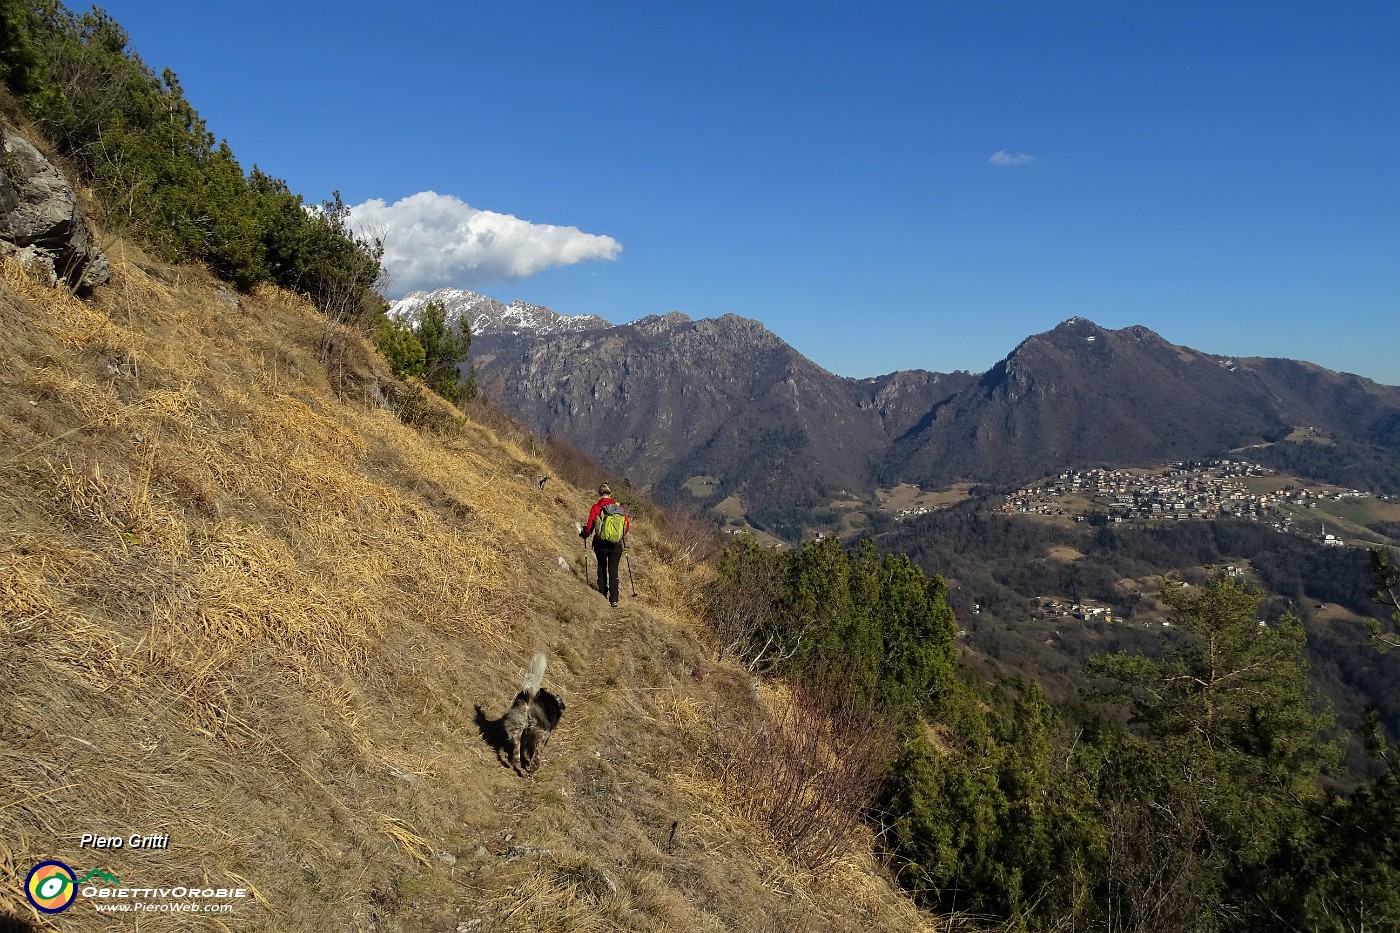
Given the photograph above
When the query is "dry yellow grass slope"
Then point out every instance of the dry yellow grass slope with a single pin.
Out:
(244, 608)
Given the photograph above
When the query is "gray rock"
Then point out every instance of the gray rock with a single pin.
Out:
(37, 261)
(40, 220)
(519, 852)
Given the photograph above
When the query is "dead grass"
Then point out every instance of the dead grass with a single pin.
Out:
(245, 606)
(909, 496)
(808, 773)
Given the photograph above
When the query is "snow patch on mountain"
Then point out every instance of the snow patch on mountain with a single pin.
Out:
(489, 316)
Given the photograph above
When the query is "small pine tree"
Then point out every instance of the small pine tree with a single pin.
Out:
(400, 346)
(445, 347)
(1236, 731)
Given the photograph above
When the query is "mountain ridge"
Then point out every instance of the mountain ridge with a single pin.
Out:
(666, 399)
(487, 315)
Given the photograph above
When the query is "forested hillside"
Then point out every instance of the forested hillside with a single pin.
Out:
(1007, 570)
(1192, 787)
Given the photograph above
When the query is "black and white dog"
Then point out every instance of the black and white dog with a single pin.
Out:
(532, 717)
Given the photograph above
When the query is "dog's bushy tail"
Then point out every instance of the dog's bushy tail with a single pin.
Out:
(534, 677)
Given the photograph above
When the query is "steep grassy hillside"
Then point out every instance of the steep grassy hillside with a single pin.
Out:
(244, 607)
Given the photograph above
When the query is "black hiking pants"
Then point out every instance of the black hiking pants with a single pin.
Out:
(609, 561)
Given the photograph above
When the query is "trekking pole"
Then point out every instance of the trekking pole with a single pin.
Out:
(629, 572)
(585, 552)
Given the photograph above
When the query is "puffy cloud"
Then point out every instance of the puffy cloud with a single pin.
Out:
(1004, 159)
(434, 240)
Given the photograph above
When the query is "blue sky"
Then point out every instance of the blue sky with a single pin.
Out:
(884, 185)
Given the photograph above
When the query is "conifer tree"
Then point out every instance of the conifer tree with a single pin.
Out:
(1237, 738)
(444, 347)
(1385, 576)
(917, 628)
(1345, 874)
(1238, 686)
(399, 344)
(1000, 818)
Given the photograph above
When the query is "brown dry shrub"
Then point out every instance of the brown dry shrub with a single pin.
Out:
(573, 465)
(691, 535)
(809, 773)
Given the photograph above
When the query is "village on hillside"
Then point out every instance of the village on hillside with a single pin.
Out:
(1329, 516)
(1185, 490)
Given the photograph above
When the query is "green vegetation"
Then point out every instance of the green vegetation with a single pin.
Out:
(852, 624)
(1385, 574)
(1186, 791)
(431, 349)
(1230, 737)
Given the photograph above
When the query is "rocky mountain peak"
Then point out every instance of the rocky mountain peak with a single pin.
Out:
(1078, 325)
(739, 334)
(488, 316)
(1077, 341)
(658, 324)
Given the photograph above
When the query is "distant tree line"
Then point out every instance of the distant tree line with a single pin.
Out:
(1186, 791)
(161, 177)
(1343, 462)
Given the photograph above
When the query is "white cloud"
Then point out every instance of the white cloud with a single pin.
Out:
(434, 240)
(1004, 159)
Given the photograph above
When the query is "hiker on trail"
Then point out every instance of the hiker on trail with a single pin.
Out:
(608, 524)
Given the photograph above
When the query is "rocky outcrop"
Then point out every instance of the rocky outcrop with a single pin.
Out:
(40, 221)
